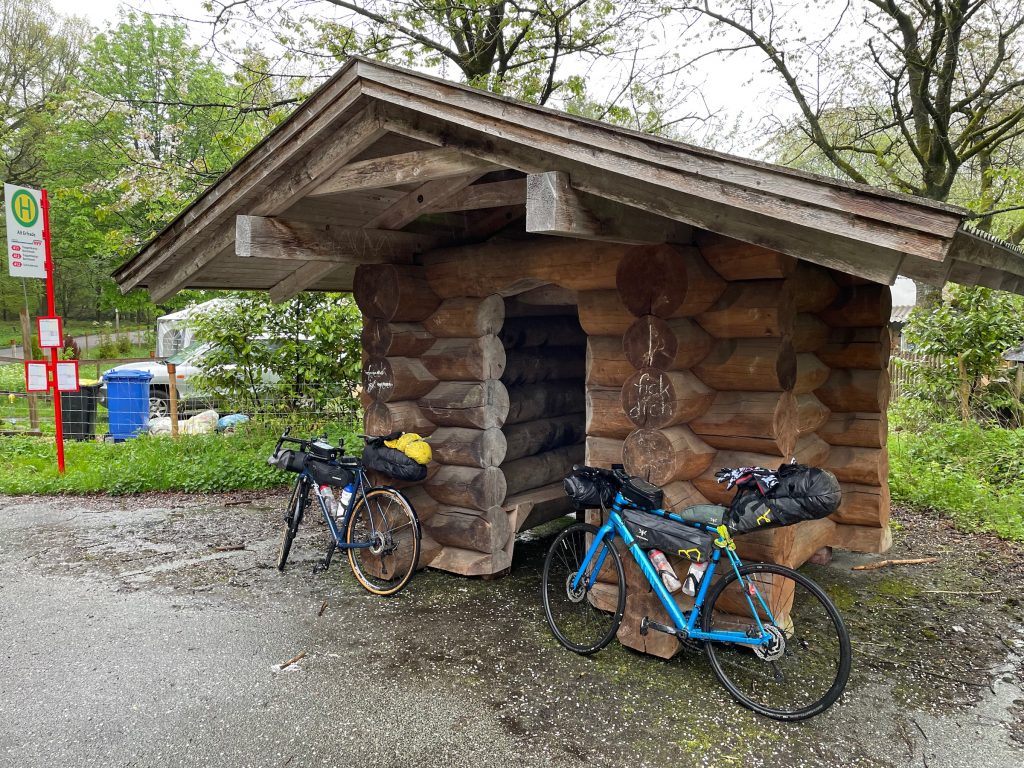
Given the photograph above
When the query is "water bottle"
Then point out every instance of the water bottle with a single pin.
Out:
(693, 577)
(664, 569)
(329, 501)
(346, 496)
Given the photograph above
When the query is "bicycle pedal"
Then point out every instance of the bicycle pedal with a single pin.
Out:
(320, 567)
(646, 625)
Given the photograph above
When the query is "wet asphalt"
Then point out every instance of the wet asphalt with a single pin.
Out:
(126, 639)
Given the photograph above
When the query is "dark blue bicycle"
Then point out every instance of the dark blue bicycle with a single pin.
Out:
(771, 635)
(375, 525)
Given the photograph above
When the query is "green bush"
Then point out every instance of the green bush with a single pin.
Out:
(973, 474)
(191, 463)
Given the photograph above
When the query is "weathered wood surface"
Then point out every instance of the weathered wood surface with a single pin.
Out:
(541, 332)
(469, 447)
(603, 451)
(541, 468)
(383, 339)
(606, 363)
(478, 404)
(762, 422)
(388, 379)
(669, 345)
(533, 437)
(667, 281)
(405, 168)
(809, 333)
(662, 456)
(682, 494)
(811, 450)
(535, 364)
(865, 505)
(811, 373)
(469, 487)
(750, 309)
(406, 416)
(737, 260)
(754, 365)
(864, 466)
(509, 268)
(862, 538)
(860, 306)
(393, 293)
(811, 414)
(469, 359)
(538, 506)
(467, 562)
(467, 317)
(260, 237)
(605, 417)
(551, 399)
(870, 355)
(480, 530)
(858, 430)
(654, 399)
(813, 287)
(602, 313)
(849, 390)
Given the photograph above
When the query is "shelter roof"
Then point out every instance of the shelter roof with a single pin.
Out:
(382, 163)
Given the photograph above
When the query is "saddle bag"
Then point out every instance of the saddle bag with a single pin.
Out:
(654, 532)
(392, 462)
(801, 493)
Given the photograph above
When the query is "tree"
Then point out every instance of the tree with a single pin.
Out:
(544, 52)
(924, 96)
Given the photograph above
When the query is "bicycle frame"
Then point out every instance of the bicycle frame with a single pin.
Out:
(685, 625)
(336, 529)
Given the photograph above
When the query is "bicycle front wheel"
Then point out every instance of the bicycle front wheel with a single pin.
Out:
(386, 522)
(804, 668)
(292, 518)
(583, 620)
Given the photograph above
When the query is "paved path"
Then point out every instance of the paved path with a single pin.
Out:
(126, 640)
(86, 342)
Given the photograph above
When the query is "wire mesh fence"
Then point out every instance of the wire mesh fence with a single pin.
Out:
(120, 398)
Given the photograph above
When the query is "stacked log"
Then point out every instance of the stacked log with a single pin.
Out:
(856, 394)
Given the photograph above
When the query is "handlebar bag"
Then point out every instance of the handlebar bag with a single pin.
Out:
(801, 493)
(654, 532)
(392, 462)
(588, 489)
(288, 460)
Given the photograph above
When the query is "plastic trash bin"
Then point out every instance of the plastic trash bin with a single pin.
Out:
(127, 402)
(78, 412)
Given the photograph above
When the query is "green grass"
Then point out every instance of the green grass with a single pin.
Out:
(970, 473)
(196, 463)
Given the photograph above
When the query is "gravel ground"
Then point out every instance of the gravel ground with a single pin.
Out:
(128, 640)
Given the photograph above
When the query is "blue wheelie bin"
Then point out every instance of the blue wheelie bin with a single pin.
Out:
(127, 402)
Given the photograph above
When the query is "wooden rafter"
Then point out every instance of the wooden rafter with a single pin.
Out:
(410, 207)
(276, 238)
(420, 166)
(301, 279)
(496, 194)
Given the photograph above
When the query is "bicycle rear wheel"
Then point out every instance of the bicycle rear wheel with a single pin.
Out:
(804, 669)
(583, 620)
(292, 518)
(385, 520)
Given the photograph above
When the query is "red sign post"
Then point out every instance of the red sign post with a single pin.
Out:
(51, 309)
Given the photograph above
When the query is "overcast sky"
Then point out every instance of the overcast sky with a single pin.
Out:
(733, 85)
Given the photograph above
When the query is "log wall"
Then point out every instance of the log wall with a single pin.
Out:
(684, 359)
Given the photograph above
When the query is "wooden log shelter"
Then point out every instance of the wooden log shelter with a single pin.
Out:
(540, 290)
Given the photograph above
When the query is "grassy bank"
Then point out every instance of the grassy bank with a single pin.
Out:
(192, 463)
(971, 473)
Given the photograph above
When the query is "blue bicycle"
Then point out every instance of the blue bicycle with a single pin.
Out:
(772, 636)
(375, 525)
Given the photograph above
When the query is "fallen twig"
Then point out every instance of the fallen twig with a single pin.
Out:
(322, 609)
(229, 548)
(885, 563)
(292, 660)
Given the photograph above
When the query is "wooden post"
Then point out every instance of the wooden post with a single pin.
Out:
(26, 346)
(172, 393)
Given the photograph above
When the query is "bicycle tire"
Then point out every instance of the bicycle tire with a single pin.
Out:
(807, 671)
(396, 542)
(574, 617)
(292, 518)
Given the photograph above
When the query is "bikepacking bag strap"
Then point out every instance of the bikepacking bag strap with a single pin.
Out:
(796, 493)
(654, 532)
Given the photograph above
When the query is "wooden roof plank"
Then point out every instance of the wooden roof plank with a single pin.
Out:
(420, 166)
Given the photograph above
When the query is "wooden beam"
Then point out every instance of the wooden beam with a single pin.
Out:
(553, 207)
(420, 166)
(258, 196)
(301, 279)
(272, 238)
(496, 194)
(410, 207)
(162, 287)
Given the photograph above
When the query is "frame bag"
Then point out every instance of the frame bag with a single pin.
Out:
(654, 532)
(801, 493)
